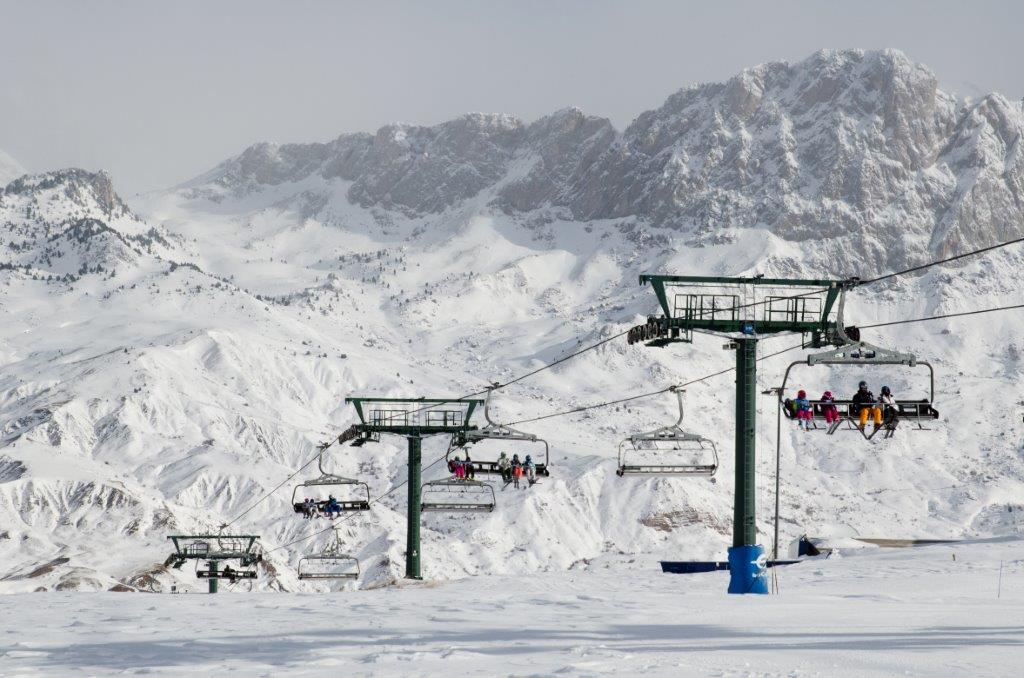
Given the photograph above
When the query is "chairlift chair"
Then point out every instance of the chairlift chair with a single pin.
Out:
(330, 563)
(861, 353)
(360, 503)
(454, 495)
(668, 451)
(231, 575)
(495, 431)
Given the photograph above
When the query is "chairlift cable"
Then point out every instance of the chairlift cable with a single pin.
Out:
(942, 261)
(279, 485)
(652, 393)
(940, 317)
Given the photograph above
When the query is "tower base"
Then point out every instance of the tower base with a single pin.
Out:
(747, 570)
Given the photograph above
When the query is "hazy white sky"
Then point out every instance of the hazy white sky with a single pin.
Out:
(157, 92)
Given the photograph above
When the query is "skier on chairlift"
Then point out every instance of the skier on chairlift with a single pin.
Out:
(889, 406)
(531, 470)
(505, 466)
(459, 468)
(803, 410)
(517, 470)
(470, 469)
(332, 506)
(865, 406)
(828, 407)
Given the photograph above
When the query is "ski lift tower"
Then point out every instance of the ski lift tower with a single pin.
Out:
(744, 310)
(413, 418)
(214, 549)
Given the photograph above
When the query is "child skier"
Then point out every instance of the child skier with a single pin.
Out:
(828, 407)
(803, 410)
(889, 407)
(517, 472)
(531, 469)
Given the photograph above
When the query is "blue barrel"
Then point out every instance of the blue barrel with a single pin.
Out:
(747, 570)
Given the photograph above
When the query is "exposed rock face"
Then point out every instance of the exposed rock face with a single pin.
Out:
(859, 149)
(84, 189)
(70, 223)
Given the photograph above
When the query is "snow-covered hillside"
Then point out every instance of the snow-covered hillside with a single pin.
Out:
(167, 362)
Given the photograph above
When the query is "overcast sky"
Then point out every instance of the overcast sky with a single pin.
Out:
(156, 93)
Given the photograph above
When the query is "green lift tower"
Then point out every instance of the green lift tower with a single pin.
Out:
(744, 310)
(413, 418)
(215, 549)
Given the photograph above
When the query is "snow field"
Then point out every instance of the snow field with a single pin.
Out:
(873, 611)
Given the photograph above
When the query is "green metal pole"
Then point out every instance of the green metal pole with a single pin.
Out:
(412, 535)
(746, 558)
(744, 532)
(213, 575)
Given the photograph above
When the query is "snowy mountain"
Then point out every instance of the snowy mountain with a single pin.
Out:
(168, 362)
(860, 150)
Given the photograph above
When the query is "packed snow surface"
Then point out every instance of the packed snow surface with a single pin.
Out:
(933, 611)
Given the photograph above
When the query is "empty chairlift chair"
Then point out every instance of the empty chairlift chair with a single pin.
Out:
(457, 496)
(331, 563)
(668, 451)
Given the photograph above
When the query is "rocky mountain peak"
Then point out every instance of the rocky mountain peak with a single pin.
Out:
(840, 144)
(81, 188)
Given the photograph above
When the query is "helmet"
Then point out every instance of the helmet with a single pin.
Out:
(502, 455)
(801, 394)
(826, 394)
(886, 391)
(527, 457)
(862, 384)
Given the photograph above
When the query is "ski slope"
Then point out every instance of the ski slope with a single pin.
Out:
(930, 611)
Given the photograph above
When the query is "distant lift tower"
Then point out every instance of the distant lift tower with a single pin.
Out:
(413, 418)
(214, 549)
(743, 310)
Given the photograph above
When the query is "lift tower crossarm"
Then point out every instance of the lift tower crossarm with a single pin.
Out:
(788, 318)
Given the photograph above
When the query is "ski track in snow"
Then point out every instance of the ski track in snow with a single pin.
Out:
(870, 612)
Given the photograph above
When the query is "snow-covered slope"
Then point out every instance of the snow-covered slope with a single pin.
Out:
(162, 371)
